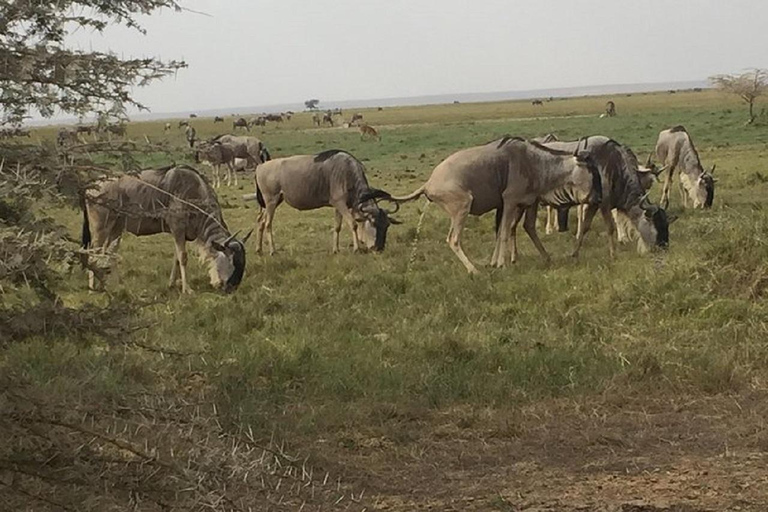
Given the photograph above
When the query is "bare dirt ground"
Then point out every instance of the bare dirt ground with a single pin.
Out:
(626, 455)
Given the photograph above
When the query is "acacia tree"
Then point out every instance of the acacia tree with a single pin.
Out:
(748, 86)
(312, 104)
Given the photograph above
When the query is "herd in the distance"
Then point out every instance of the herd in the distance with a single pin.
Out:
(511, 176)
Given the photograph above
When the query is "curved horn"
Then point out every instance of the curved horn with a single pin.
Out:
(659, 170)
(649, 162)
(392, 212)
(644, 198)
(246, 237)
(231, 237)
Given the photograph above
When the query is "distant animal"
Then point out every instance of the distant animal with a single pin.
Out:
(217, 154)
(331, 178)
(84, 129)
(379, 109)
(257, 121)
(337, 112)
(240, 122)
(218, 119)
(116, 129)
(511, 176)
(537, 102)
(328, 118)
(277, 118)
(66, 137)
(356, 117)
(316, 119)
(675, 149)
(167, 127)
(287, 115)
(610, 108)
(250, 148)
(191, 135)
(368, 130)
(456, 102)
(183, 123)
(622, 190)
(9, 133)
(175, 200)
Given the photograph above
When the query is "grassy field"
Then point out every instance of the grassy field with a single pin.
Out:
(428, 386)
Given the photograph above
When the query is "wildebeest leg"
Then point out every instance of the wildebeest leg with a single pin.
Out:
(174, 269)
(513, 234)
(346, 214)
(529, 224)
(336, 229)
(181, 257)
(550, 226)
(611, 226)
(458, 209)
(621, 226)
(683, 192)
(664, 203)
(591, 211)
(505, 237)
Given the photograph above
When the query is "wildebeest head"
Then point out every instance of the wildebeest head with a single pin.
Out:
(586, 178)
(701, 190)
(228, 265)
(708, 180)
(374, 220)
(653, 227)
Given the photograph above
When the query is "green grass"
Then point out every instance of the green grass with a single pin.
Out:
(312, 342)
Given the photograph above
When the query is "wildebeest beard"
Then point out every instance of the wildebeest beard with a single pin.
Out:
(238, 261)
(381, 223)
(709, 184)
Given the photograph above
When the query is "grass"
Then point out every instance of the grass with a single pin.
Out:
(312, 343)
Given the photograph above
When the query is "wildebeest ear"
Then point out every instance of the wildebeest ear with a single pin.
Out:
(217, 246)
(393, 220)
(672, 218)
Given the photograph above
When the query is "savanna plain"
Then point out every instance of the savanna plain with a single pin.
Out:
(633, 384)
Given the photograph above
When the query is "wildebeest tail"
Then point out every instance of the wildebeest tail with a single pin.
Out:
(258, 196)
(410, 197)
(562, 219)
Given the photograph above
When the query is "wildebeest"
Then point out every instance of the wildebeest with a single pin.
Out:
(66, 136)
(175, 200)
(623, 191)
(257, 121)
(511, 176)
(191, 135)
(316, 119)
(537, 102)
(183, 123)
(675, 150)
(218, 119)
(250, 148)
(331, 178)
(8, 133)
(192, 116)
(240, 122)
(328, 118)
(217, 154)
(115, 129)
(167, 127)
(366, 129)
(277, 118)
(356, 117)
(610, 108)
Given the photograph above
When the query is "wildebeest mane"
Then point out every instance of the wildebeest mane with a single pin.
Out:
(551, 151)
(504, 140)
(325, 155)
(678, 128)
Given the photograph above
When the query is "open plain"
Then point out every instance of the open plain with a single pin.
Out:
(638, 384)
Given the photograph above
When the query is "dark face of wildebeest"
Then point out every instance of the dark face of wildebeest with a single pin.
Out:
(229, 264)
(374, 223)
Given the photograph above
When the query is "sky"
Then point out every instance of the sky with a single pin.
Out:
(264, 52)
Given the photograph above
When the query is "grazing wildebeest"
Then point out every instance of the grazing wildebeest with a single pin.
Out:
(240, 122)
(675, 149)
(623, 191)
(215, 154)
(192, 116)
(116, 129)
(610, 108)
(84, 129)
(356, 117)
(175, 200)
(66, 137)
(191, 135)
(316, 119)
(183, 123)
(337, 112)
(167, 127)
(366, 129)
(511, 176)
(218, 119)
(537, 102)
(257, 121)
(247, 147)
(328, 118)
(278, 118)
(332, 178)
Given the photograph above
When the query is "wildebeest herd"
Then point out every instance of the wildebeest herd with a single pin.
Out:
(511, 176)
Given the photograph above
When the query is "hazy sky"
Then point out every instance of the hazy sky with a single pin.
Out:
(261, 52)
